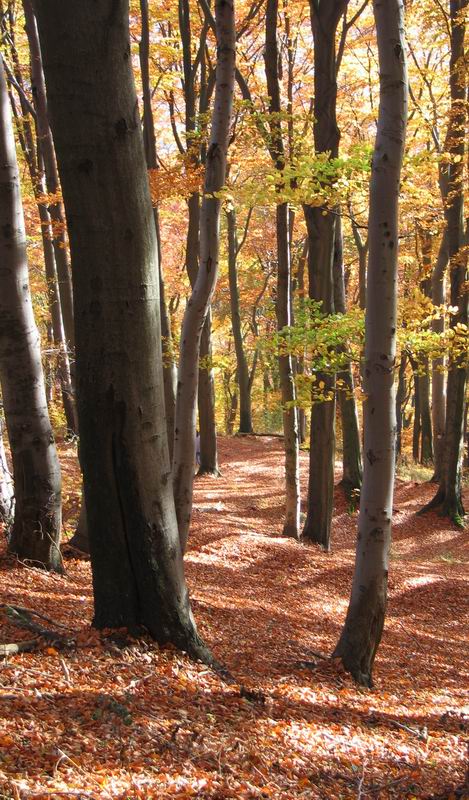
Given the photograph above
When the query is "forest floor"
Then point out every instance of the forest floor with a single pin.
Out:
(110, 717)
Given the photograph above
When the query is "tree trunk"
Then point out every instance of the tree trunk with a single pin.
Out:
(80, 538)
(351, 455)
(400, 400)
(137, 565)
(52, 177)
(449, 491)
(291, 525)
(37, 523)
(320, 224)
(244, 384)
(33, 155)
(438, 364)
(206, 404)
(149, 142)
(363, 627)
(204, 286)
(7, 497)
(417, 427)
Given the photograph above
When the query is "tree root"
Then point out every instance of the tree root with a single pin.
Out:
(22, 618)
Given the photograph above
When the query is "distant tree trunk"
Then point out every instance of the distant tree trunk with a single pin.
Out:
(149, 142)
(242, 369)
(417, 427)
(33, 155)
(138, 575)
(37, 523)
(52, 177)
(283, 303)
(7, 498)
(300, 360)
(204, 286)
(320, 224)
(206, 404)
(363, 626)
(449, 491)
(351, 455)
(438, 364)
(400, 400)
(426, 446)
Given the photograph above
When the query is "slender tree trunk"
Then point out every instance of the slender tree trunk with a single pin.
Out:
(206, 404)
(449, 491)
(242, 369)
(149, 142)
(320, 224)
(33, 156)
(138, 575)
(417, 427)
(363, 627)
(400, 400)
(7, 497)
(36, 528)
(283, 304)
(204, 286)
(351, 456)
(438, 364)
(52, 177)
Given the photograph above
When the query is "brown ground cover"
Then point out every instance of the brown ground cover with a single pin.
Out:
(109, 717)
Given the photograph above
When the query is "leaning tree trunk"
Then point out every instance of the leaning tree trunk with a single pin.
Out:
(283, 309)
(320, 224)
(59, 239)
(351, 455)
(449, 494)
(242, 369)
(363, 627)
(138, 575)
(36, 528)
(149, 141)
(204, 286)
(400, 401)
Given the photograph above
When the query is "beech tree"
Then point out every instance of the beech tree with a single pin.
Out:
(35, 535)
(363, 627)
(320, 222)
(205, 282)
(291, 525)
(136, 560)
(448, 495)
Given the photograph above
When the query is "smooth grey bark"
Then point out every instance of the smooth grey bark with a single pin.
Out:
(149, 142)
(195, 153)
(242, 369)
(137, 566)
(362, 250)
(449, 495)
(438, 364)
(35, 535)
(272, 57)
(320, 225)
(55, 208)
(7, 497)
(206, 404)
(204, 286)
(364, 623)
(31, 147)
(351, 455)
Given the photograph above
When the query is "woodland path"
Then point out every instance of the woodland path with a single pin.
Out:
(110, 717)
